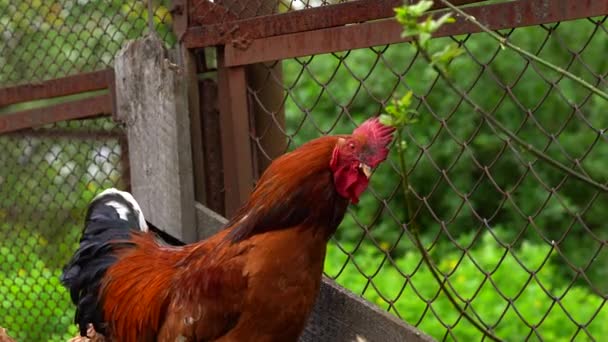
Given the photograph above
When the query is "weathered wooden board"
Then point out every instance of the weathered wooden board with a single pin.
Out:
(208, 222)
(341, 316)
(151, 99)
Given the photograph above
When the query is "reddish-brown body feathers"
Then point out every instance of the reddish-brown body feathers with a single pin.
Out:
(255, 281)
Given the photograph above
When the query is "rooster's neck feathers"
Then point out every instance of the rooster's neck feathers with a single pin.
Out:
(296, 190)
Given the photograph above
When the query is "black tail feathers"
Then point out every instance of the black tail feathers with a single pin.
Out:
(111, 217)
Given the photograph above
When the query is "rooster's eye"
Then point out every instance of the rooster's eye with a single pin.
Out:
(351, 146)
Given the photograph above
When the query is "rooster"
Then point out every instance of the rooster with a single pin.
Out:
(255, 280)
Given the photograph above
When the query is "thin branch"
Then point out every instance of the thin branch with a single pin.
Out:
(425, 254)
(537, 153)
(505, 42)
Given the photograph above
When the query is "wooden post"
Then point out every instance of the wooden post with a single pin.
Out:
(151, 99)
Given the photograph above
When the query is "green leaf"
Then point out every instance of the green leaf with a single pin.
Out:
(387, 120)
(424, 38)
(420, 7)
(444, 19)
(442, 58)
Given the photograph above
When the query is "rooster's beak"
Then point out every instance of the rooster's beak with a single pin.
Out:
(367, 170)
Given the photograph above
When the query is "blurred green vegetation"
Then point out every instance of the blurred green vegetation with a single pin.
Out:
(33, 306)
(409, 287)
(462, 171)
(46, 182)
(48, 39)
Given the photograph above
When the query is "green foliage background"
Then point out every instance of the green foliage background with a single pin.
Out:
(461, 173)
(461, 170)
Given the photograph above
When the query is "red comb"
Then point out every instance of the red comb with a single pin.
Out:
(378, 136)
(376, 133)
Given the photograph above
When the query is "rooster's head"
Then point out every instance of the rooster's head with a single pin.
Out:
(356, 155)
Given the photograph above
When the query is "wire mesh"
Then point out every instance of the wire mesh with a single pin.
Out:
(520, 244)
(48, 39)
(47, 178)
(49, 174)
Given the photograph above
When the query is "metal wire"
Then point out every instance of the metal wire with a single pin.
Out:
(48, 39)
(517, 241)
(520, 244)
(49, 174)
(47, 178)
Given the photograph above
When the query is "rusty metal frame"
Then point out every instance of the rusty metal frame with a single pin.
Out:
(496, 16)
(235, 135)
(64, 86)
(211, 145)
(79, 109)
(80, 134)
(239, 32)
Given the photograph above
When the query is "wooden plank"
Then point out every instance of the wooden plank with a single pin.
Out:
(151, 99)
(236, 145)
(338, 315)
(208, 222)
(78, 109)
(341, 316)
(69, 85)
(497, 16)
(63, 133)
(239, 32)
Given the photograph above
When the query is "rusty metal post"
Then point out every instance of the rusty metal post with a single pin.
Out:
(212, 146)
(233, 84)
(235, 136)
(268, 110)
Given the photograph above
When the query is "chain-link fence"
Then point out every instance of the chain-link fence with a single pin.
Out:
(48, 39)
(49, 174)
(521, 243)
(48, 177)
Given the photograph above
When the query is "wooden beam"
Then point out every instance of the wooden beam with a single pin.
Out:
(208, 222)
(341, 316)
(151, 99)
(497, 16)
(235, 131)
(64, 86)
(78, 109)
